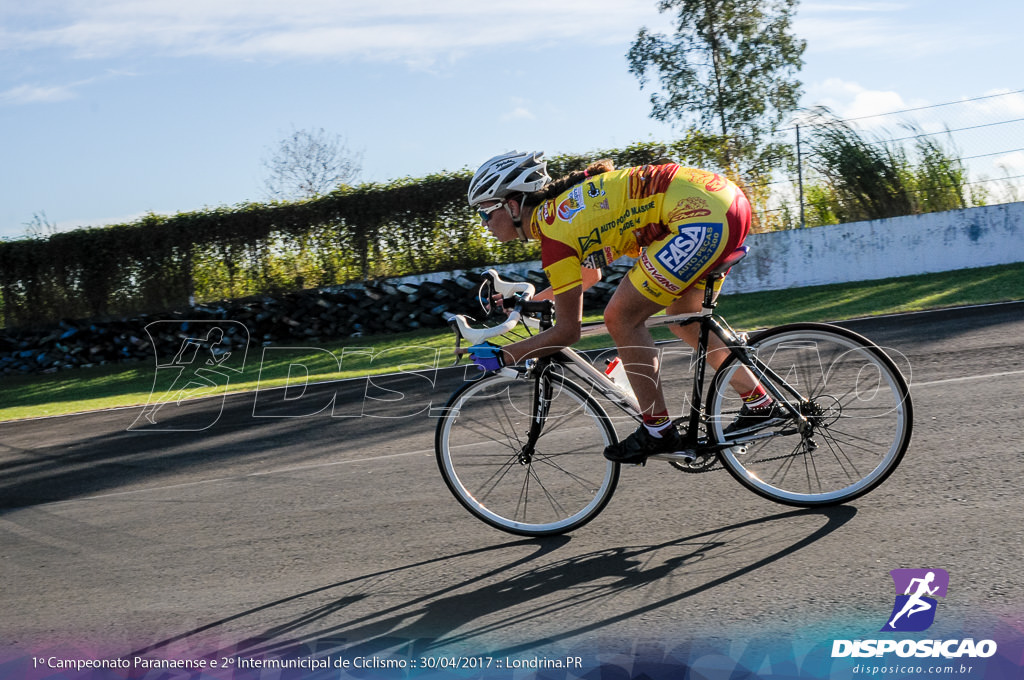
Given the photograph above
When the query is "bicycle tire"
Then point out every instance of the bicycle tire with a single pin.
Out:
(859, 404)
(562, 486)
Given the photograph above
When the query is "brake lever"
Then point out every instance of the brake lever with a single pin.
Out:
(453, 324)
(484, 295)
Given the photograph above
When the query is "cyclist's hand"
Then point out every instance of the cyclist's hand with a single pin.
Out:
(487, 356)
(499, 306)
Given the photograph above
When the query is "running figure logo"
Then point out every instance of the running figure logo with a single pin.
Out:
(915, 605)
(193, 359)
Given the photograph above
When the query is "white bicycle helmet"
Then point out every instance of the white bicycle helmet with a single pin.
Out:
(508, 173)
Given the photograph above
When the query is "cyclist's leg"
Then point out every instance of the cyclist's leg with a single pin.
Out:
(624, 317)
(726, 217)
(710, 227)
(650, 287)
(690, 302)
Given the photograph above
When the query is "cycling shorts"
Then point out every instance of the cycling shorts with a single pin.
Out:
(702, 229)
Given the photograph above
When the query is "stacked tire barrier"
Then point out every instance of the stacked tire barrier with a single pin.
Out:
(374, 308)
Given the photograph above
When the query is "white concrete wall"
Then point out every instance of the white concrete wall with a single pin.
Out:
(878, 249)
(861, 251)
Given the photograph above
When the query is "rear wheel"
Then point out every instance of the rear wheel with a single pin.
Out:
(555, 484)
(858, 409)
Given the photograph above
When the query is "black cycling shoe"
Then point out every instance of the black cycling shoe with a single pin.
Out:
(634, 449)
(750, 419)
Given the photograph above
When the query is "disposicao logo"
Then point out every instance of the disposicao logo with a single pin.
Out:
(914, 611)
(916, 590)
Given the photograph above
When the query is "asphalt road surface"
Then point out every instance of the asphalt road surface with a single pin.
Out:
(226, 528)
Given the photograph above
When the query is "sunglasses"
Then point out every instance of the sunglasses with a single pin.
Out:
(485, 213)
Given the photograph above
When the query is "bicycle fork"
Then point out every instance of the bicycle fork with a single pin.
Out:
(541, 406)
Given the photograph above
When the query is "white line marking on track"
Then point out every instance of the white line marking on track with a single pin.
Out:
(264, 473)
(299, 468)
(965, 378)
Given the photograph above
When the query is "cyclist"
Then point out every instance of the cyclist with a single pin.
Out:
(678, 222)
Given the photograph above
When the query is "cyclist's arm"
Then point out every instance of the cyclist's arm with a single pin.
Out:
(590, 277)
(565, 332)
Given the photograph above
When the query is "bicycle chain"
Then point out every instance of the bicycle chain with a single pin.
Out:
(713, 468)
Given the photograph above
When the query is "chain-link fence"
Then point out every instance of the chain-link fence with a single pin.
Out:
(956, 154)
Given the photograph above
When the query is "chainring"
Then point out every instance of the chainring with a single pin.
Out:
(705, 462)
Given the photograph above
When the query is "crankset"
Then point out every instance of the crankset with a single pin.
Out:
(702, 462)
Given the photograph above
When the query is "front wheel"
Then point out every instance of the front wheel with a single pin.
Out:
(545, 485)
(857, 406)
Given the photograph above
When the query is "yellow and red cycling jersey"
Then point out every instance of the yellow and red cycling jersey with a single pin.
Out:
(678, 221)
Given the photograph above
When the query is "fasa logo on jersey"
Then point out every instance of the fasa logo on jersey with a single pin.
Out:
(688, 244)
(915, 605)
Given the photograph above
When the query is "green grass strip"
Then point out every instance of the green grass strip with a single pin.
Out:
(104, 387)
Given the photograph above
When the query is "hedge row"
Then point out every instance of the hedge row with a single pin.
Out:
(358, 233)
(300, 318)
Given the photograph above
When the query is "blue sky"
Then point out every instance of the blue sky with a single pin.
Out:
(110, 109)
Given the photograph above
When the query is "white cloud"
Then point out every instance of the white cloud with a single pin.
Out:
(888, 113)
(999, 103)
(385, 29)
(851, 100)
(518, 113)
(895, 31)
(33, 94)
(1011, 163)
(874, 34)
(827, 7)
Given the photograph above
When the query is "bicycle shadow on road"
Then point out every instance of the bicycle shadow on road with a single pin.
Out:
(503, 608)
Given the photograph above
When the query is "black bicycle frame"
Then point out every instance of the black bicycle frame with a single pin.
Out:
(709, 323)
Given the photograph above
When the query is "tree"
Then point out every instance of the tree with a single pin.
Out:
(728, 72)
(310, 163)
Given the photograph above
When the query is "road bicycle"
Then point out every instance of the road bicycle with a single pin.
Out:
(521, 448)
